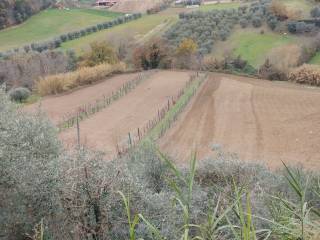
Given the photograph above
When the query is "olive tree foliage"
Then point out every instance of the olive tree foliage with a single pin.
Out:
(315, 12)
(19, 94)
(206, 28)
(29, 172)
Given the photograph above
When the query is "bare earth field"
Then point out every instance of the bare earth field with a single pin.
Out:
(104, 130)
(126, 6)
(261, 121)
(57, 107)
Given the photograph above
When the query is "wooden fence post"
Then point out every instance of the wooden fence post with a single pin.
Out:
(78, 131)
(139, 134)
(130, 141)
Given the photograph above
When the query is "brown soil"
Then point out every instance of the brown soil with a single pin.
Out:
(57, 107)
(104, 130)
(260, 121)
(132, 6)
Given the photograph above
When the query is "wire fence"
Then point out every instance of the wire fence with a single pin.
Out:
(134, 138)
(87, 110)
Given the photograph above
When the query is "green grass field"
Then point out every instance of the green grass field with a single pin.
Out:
(147, 26)
(251, 45)
(219, 6)
(254, 47)
(51, 23)
(316, 59)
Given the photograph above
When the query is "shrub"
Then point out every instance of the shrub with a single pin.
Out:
(243, 22)
(59, 83)
(211, 64)
(72, 60)
(29, 170)
(300, 27)
(187, 47)
(256, 21)
(94, 28)
(185, 54)
(19, 94)
(269, 71)
(315, 12)
(280, 10)
(306, 74)
(88, 30)
(272, 22)
(223, 34)
(100, 53)
(151, 55)
(27, 48)
(83, 32)
(100, 27)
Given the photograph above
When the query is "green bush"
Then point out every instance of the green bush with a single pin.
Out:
(256, 21)
(29, 173)
(315, 12)
(19, 94)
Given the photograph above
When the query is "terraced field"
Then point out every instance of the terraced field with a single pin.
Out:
(60, 106)
(109, 128)
(260, 121)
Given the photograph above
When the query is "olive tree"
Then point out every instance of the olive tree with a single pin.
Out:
(29, 169)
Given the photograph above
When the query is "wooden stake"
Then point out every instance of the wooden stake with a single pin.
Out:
(130, 141)
(139, 134)
(78, 131)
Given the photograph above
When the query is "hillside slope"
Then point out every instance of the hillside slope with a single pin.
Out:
(135, 5)
(14, 12)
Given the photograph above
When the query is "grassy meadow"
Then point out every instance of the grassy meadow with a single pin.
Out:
(51, 23)
(316, 59)
(251, 45)
(141, 29)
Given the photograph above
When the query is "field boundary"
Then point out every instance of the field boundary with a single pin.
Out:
(167, 115)
(85, 111)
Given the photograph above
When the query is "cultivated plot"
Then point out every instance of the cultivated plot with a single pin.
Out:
(258, 120)
(59, 107)
(109, 128)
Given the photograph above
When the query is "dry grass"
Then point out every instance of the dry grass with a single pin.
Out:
(59, 83)
(283, 12)
(286, 57)
(306, 74)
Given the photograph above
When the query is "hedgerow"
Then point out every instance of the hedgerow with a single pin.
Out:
(57, 41)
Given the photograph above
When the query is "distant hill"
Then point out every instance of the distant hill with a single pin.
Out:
(135, 5)
(17, 11)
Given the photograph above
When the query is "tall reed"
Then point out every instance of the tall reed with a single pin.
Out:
(55, 84)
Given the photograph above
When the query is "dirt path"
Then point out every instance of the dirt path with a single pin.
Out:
(105, 129)
(258, 120)
(57, 107)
